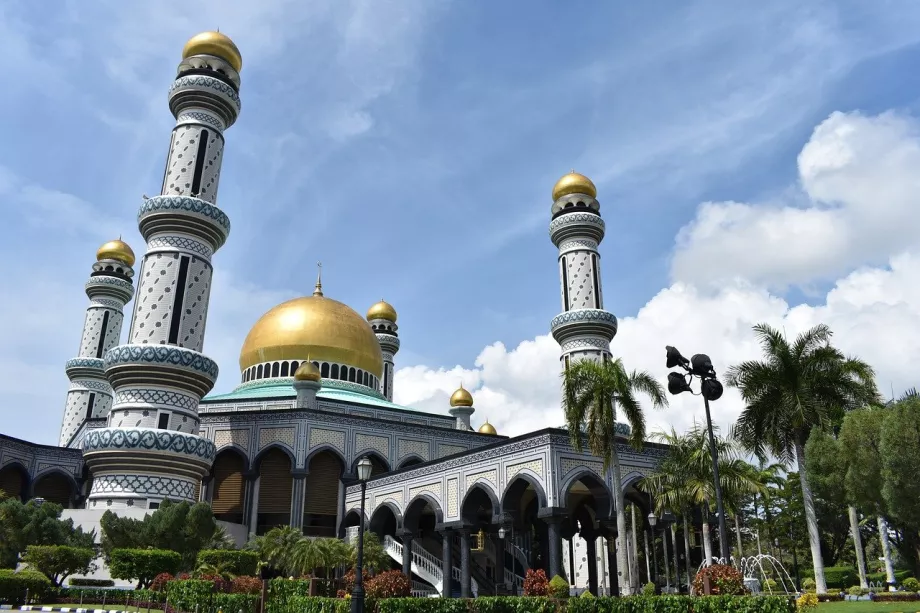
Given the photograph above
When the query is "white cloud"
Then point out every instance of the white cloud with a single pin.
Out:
(858, 175)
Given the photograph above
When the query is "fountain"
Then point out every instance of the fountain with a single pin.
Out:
(755, 569)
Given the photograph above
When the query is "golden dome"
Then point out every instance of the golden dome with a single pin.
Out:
(382, 310)
(316, 328)
(116, 250)
(461, 398)
(307, 372)
(487, 428)
(574, 183)
(214, 43)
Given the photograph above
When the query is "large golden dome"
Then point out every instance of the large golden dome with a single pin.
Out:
(216, 44)
(116, 250)
(382, 310)
(315, 328)
(574, 183)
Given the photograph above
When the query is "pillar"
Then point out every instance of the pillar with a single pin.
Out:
(591, 548)
(465, 591)
(553, 517)
(447, 562)
(406, 536)
(298, 492)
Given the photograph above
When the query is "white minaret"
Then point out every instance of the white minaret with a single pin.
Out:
(461, 407)
(109, 288)
(583, 329)
(151, 449)
(382, 318)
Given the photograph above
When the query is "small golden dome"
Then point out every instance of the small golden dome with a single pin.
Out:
(382, 310)
(116, 250)
(574, 183)
(487, 428)
(214, 43)
(307, 372)
(461, 398)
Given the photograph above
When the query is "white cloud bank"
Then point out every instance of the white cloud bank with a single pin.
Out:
(853, 215)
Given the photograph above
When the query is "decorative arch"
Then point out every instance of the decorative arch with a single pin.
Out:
(229, 484)
(239, 449)
(603, 499)
(276, 486)
(257, 460)
(322, 492)
(55, 485)
(386, 519)
(516, 488)
(410, 460)
(416, 508)
(15, 479)
(320, 449)
(480, 498)
(381, 464)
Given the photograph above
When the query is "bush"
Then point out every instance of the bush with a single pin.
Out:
(808, 584)
(806, 602)
(287, 596)
(84, 582)
(586, 594)
(535, 583)
(142, 565)
(857, 591)
(247, 585)
(13, 586)
(198, 595)
(526, 604)
(388, 584)
(648, 589)
(882, 578)
(558, 587)
(896, 597)
(724, 580)
(305, 604)
(159, 582)
(840, 577)
(770, 585)
(137, 598)
(235, 562)
(911, 585)
(57, 562)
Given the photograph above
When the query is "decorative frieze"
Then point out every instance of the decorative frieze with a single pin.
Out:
(268, 436)
(319, 436)
(363, 442)
(238, 437)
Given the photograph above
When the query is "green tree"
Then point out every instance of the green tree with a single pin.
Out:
(798, 386)
(58, 562)
(900, 464)
(24, 524)
(592, 394)
(142, 565)
(276, 548)
(826, 474)
(376, 559)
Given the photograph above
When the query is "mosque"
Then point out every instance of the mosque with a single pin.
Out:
(462, 508)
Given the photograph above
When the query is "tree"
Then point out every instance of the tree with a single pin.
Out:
(592, 393)
(826, 474)
(142, 565)
(376, 558)
(276, 548)
(24, 524)
(900, 464)
(58, 562)
(798, 386)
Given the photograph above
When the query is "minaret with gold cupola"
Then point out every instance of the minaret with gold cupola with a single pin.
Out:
(583, 329)
(151, 449)
(382, 318)
(461, 407)
(109, 288)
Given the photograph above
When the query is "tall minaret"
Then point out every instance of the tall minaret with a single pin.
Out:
(109, 288)
(382, 318)
(583, 329)
(151, 449)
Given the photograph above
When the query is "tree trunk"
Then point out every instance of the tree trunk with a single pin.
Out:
(687, 553)
(886, 551)
(634, 558)
(738, 538)
(707, 545)
(811, 520)
(620, 501)
(857, 545)
(676, 562)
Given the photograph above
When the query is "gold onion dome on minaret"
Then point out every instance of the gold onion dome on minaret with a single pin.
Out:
(487, 428)
(461, 398)
(382, 310)
(117, 250)
(574, 183)
(307, 372)
(214, 43)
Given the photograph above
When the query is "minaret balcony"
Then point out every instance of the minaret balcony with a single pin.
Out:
(583, 322)
(148, 449)
(577, 224)
(85, 367)
(183, 214)
(158, 365)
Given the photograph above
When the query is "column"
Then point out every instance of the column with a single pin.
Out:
(667, 564)
(447, 562)
(591, 548)
(465, 591)
(249, 480)
(572, 560)
(552, 517)
(298, 491)
(406, 537)
(612, 564)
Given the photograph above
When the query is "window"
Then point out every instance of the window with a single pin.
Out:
(153, 505)
(275, 367)
(284, 369)
(163, 420)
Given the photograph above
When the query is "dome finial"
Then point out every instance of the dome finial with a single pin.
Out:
(318, 290)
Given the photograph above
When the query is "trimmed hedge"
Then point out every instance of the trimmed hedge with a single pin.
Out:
(14, 586)
(882, 578)
(236, 562)
(197, 595)
(142, 565)
(85, 582)
(896, 597)
(87, 596)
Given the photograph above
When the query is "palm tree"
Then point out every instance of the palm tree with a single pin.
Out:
(276, 548)
(770, 474)
(592, 392)
(796, 387)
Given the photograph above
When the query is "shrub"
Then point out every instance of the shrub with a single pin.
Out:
(287, 596)
(85, 582)
(648, 589)
(724, 580)
(770, 585)
(220, 584)
(882, 578)
(234, 562)
(142, 565)
(896, 597)
(57, 562)
(840, 577)
(856, 591)
(535, 583)
(13, 586)
(911, 585)
(388, 584)
(558, 587)
(808, 584)
(586, 594)
(247, 585)
(806, 602)
(159, 582)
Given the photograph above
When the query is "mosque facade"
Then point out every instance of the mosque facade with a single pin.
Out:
(464, 509)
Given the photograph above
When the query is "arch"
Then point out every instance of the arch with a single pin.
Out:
(380, 463)
(413, 517)
(259, 372)
(386, 520)
(514, 491)
(596, 488)
(284, 368)
(321, 448)
(15, 480)
(257, 461)
(410, 460)
(55, 485)
(335, 372)
(322, 492)
(228, 485)
(480, 502)
(275, 488)
(324, 370)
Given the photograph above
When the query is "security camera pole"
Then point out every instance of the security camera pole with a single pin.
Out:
(710, 389)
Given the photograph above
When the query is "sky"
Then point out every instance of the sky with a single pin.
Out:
(755, 162)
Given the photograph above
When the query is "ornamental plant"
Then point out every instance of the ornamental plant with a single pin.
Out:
(724, 580)
(159, 582)
(648, 589)
(535, 583)
(911, 585)
(246, 585)
(388, 584)
(558, 587)
(806, 602)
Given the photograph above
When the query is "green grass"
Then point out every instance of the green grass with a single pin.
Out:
(107, 607)
(867, 606)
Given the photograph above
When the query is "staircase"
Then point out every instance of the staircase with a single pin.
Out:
(425, 565)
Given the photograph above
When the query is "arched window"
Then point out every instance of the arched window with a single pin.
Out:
(335, 371)
(324, 370)
(259, 372)
(275, 369)
(294, 366)
(284, 369)
(351, 375)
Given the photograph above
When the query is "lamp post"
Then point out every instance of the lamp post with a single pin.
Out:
(710, 389)
(357, 594)
(652, 521)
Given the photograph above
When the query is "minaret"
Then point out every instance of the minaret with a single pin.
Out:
(109, 288)
(307, 381)
(461, 407)
(151, 449)
(382, 318)
(583, 329)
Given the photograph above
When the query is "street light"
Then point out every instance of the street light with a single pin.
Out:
(357, 594)
(652, 521)
(710, 389)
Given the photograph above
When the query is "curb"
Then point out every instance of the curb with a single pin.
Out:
(6, 607)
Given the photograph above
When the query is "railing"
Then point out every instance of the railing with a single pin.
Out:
(424, 564)
(423, 590)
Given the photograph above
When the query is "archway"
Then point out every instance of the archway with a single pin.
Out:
(589, 502)
(523, 498)
(55, 487)
(385, 521)
(275, 488)
(228, 486)
(410, 461)
(379, 465)
(14, 481)
(321, 494)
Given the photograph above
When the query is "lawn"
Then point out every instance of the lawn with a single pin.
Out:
(867, 606)
(107, 607)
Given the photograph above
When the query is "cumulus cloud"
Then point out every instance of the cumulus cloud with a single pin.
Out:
(852, 217)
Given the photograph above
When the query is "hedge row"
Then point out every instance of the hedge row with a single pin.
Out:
(14, 586)
(196, 595)
(844, 577)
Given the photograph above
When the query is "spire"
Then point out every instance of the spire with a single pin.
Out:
(318, 290)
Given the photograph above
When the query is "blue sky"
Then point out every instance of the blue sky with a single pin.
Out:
(411, 146)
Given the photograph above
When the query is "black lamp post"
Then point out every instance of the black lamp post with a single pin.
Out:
(652, 521)
(710, 389)
(357, 594)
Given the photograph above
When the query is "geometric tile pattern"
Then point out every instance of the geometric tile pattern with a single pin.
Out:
(490, 476)
(150, 439)
(143, 485)
(154, 396)
(267, 436)
(569, 464)
(446, 450)
(377, 443)
(534, 465)
(453, 497)
(433, 489)
(318, 437)
(408, 446)
(222, 438)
